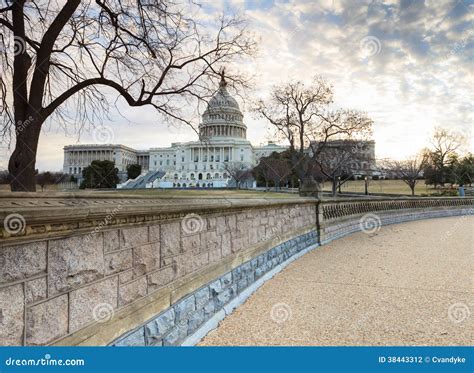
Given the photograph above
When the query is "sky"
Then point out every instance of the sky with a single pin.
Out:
(408, 64)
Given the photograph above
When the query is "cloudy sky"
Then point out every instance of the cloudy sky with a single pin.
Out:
(409, 64)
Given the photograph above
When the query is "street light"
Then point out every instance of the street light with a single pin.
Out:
(339, 184)
(366, 186)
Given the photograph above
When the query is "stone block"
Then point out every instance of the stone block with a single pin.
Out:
(241, 284)
(74, 261)
(226, 245)
(161, 277)
(137, 338)
(132, 237)
(215, 255)
(237, 273)
(231, 221)
(11, 315)
(184, 308)
(202, 297)
(221, 225)
(132, 291)
(146, 258)
(157, 328)
(224, 297)
(176, 335)
(191, 244)
(215, 287)
(170, 239)
(118, 261)
(226, 279)
(22, 261)
(47, 321)
(209, 309)
(253, 236)
(211, 223)
(154, 232)
(210, 240)
(95, 302)
(125, 276)
(259, 272)
(198, 261)
(196, 319)
(111, 240)
(36, 290)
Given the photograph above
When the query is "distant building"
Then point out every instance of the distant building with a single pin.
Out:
(78, 157)
(223, 143)
(359, 155)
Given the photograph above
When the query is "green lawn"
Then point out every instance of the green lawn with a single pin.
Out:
(206, 193)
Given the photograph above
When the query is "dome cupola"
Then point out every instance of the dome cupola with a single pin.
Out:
(223, 117)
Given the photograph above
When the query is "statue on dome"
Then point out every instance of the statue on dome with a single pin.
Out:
(223, 82)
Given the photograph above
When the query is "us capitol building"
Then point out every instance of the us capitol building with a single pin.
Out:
(223, 148)
(203, 163)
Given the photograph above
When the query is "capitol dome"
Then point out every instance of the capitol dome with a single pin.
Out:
(223, 117)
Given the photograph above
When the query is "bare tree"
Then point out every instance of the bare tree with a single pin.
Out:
(61, 60)
(409, 170)
(239, 172)
(445, 144)
(338, 161)
(301, 115)
(273, 169)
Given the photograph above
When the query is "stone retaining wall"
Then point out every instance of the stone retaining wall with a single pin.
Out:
(108, 270)
(59, 290)
(184, 318)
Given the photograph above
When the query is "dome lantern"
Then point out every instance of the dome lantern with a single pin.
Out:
(223, 117)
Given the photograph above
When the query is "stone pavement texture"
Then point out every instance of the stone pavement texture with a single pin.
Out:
(407, 284)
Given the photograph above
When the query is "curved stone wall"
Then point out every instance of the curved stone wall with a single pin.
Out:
(109, 269)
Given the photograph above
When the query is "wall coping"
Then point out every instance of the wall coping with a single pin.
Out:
(59, 214)
(63, 214)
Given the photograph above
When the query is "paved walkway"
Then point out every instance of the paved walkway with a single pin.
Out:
(408, 284)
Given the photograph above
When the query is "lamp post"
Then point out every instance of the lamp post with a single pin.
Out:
(366, 186)
(339, 184)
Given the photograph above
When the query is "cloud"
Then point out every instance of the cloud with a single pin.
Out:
(420, 76)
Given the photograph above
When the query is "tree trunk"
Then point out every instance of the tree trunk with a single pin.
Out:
(23, 159)
(334, 188)
(412, 191)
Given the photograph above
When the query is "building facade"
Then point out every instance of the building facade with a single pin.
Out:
(222, 149)
(208, 162)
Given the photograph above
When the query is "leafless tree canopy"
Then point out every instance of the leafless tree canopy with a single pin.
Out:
(409, 170)
(302, 114)
(239, 172)
(58, 55)
(445, 143)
